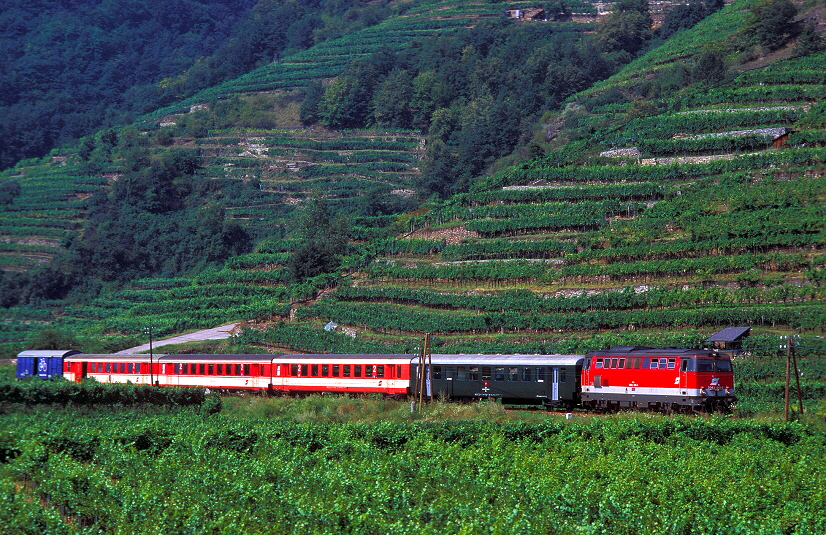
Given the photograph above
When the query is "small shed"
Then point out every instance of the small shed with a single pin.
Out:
(729, 339)
(531, 13)
(781, 137)
(44, 364)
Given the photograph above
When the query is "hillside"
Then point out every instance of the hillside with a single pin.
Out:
(661, 205)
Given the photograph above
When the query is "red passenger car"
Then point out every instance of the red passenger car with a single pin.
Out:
(108, 368)
(657, 379)
(388, 375)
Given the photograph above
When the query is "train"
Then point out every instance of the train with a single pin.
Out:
(621, 378)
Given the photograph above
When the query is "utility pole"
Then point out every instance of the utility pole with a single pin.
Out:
(421, 369)
(791, 359)
(148, 331)
(788, 377)
(796, 377)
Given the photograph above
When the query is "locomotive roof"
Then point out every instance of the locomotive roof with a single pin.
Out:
(648, 352)
(505, 360)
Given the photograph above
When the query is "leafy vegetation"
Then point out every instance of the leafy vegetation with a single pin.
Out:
(65, 474)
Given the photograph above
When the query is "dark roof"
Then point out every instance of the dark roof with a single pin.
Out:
(730, 334)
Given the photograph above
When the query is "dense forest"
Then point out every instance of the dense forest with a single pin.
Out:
(69, 68)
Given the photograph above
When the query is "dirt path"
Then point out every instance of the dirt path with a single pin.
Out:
(218, 333)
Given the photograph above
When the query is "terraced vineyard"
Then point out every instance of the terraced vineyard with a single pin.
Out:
(289, 165)
(49, 202)
(704, 227)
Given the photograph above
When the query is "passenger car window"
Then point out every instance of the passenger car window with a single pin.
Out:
(526, 374)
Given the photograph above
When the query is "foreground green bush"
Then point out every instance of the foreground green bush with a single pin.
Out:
(190, 473)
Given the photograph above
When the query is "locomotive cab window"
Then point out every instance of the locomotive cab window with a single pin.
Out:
(705, 365)
(722, 365)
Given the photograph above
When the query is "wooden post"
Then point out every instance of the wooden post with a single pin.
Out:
(796, 377)
(429, 366)
(421, 369)
(788, 378)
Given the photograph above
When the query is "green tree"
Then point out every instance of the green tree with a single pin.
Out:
(624, 32)
(809, 42)
(770, 23)
(308, 113)
(323, 238)
(52, 339)
(391, 101)
(710, 68)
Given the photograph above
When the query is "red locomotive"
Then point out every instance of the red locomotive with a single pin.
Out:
(658, 379)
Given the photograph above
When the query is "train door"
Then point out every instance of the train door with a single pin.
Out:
(554, 384)
(685, 367)
(449, 376)
(278, 374)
